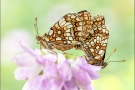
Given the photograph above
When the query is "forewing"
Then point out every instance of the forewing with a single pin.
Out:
(86, 19)
(95, 45)
(68, 30)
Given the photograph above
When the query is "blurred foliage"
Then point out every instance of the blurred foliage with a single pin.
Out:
(18, 16)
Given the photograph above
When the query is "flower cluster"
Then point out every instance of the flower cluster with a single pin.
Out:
(46, 70)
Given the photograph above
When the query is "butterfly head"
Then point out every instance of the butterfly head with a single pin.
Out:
(39, 39)
(103, 64)
(96, 62)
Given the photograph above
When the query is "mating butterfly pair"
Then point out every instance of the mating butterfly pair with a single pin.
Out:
(79, 31)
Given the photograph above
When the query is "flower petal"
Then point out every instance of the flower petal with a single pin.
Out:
(51, 84)
(81, 76)
(65, 71)
(63, 67)
(61, 60)
(50, 70)
(24, 60)
(21, 74)
(47, 57)
(90, 69)
(70, 85)
(27, 49)
(27, 73)
(33, 84)
(94, 68)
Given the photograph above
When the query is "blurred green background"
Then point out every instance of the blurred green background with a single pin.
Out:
(17, 22)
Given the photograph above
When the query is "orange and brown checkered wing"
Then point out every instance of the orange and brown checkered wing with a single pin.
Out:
(69, 30)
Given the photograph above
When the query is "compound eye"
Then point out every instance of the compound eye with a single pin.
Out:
(102, 64)
(38, 38)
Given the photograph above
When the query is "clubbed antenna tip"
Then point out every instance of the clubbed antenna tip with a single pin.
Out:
(36, 19)
(114, 50)
(123, 60)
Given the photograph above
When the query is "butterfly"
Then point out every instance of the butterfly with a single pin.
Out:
(67, 32)
(96, 42)
(79, 31)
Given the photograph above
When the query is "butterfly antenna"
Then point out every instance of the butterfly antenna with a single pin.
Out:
(114, 61)
(118, 61)
(36, 27)
(111, 54)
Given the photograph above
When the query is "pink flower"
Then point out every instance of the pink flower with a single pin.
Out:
(46, 70)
